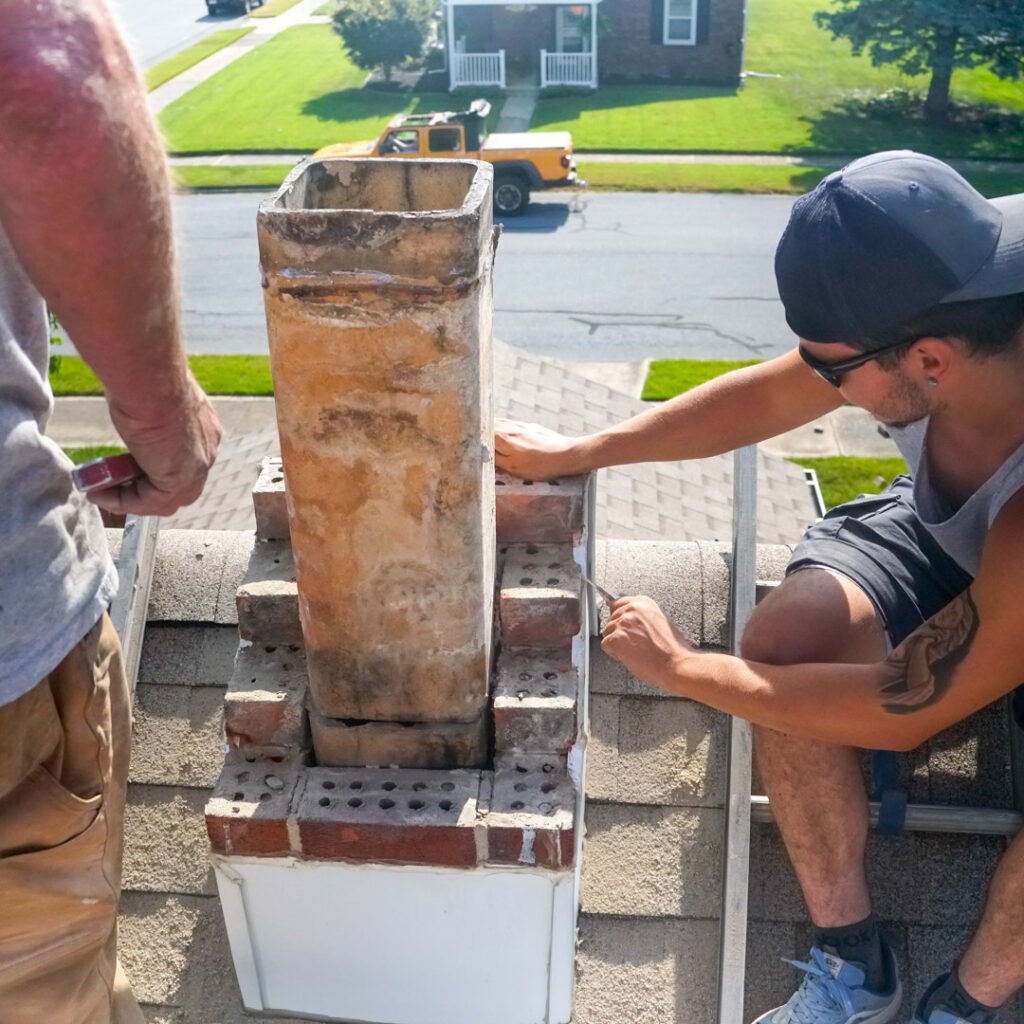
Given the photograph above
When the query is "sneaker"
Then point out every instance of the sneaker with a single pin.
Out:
(940, 1013)
(833, 992)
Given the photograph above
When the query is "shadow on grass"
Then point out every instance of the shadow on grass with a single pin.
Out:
(615, 96)
(357, 105)
(839, 131)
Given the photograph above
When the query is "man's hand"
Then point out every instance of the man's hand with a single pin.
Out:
(640, 636)
(533, 452)
(175, 453)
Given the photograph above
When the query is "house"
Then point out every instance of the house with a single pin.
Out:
(549, 43)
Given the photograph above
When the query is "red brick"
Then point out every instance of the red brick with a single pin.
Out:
(265, 702)
(269, 501)
(532, 814)
(268, 599)
(430, 745)
(538, 512)
(535, 702)
(539, 604)
(400, 816)
(247, 815)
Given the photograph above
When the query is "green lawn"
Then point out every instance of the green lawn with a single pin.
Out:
(669, 377)
(843, 477)
(173, 66)
(272, 8)
(218, 375)
(95, 451)
(328, 8)
(297, 92)
(795, 113)
(246, 176)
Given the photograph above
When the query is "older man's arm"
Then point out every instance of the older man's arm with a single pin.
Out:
(84, 199)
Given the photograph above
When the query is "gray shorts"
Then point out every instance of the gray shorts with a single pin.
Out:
(878, 542)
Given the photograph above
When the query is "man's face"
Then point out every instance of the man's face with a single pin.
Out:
(885, 392)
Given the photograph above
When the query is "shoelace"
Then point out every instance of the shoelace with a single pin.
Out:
(820, 993)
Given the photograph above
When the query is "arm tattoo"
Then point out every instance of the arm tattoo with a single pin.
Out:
(920, 670)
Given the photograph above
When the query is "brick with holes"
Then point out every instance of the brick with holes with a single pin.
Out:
(248, 813)
(530, 820)
(269, 502)
(391, 816)
(265, 702)
(549, 512)
(535, 701)
(341, 742)
(268, 599)
(540, 603)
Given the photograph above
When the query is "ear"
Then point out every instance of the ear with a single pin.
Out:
(932, 358)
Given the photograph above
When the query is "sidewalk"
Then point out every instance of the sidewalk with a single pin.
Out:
(78, 422)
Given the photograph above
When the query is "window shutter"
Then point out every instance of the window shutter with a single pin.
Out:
(658, 21)
(703, 20)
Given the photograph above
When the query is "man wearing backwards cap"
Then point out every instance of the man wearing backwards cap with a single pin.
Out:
(899, 612)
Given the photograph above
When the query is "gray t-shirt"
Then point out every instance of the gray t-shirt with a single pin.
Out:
(57, 577)
(960, 533)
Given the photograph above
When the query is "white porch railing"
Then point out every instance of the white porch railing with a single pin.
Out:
(567, 69)
(478, 69)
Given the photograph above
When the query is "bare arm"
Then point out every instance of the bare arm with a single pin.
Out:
(739, 408)
(964, 657)
(84, 199)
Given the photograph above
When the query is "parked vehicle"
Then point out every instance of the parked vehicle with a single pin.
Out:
(523, 162)
(245, 6)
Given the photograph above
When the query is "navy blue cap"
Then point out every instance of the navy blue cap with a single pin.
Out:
(888, 237)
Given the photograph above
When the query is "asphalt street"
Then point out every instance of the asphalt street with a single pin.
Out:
(605, 277)
(158, 28)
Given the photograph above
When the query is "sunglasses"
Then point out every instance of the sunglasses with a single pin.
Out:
(834, 372)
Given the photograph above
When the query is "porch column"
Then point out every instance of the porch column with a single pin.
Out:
(593, 44)
(450, 7)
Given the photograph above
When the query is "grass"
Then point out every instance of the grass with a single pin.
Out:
(669, 377)
(246, 176)
(328, 8)
(795, 113)
(843, 477)
(95, 451)
(272, 8)
(192, 55)
(218, 375)
(296, 92)
(750, 178)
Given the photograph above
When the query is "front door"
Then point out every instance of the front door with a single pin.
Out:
(572, 29)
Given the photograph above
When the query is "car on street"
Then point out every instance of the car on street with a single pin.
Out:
(242, 6)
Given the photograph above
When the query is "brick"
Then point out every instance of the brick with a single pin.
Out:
(268, 599)
(532, 511)
(531, 816)
(535, 702)
(268, 501)
(265, 702)
(540, 604)
(400, 816)
(247, 815)
(341, 742)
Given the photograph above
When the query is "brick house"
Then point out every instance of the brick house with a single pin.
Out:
(553, 43)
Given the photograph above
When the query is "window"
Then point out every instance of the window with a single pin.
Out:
(680, 22)
(444, 140)
(401, 142)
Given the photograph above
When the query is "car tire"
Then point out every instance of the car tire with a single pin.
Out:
(211, 8)
(511, 195)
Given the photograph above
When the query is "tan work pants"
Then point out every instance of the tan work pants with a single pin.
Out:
(64, 750)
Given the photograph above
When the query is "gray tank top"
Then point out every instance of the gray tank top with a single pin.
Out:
(56, 577)
(960, 533)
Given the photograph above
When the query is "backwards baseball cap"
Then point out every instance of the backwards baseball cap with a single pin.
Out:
(890, 236)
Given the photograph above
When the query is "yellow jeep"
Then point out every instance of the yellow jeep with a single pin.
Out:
(523, 162)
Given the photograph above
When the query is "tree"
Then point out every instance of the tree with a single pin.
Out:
(936, 36)
(382, 33)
